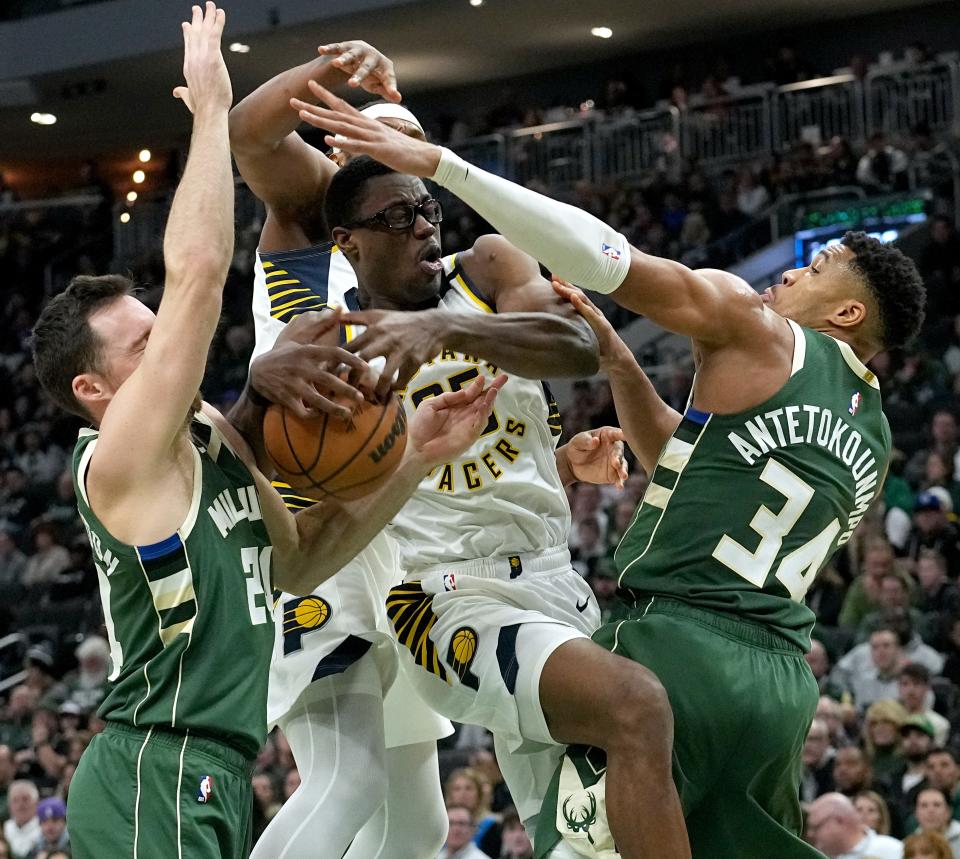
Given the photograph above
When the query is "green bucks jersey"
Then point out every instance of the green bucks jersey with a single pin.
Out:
(188, 618)
(743, 510)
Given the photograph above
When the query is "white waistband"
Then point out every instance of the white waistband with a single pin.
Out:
(503, 567)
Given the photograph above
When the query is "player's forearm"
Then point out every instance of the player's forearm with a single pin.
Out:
(332, 534)
(646, 420)
(246, 417)
(530, 345)
(572, 244)
(198, 242)
(264, 117)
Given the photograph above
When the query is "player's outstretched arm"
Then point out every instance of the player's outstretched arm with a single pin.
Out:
(571, 243)
(282, 169)
(646, 420)
(152, 405)
(312, 545)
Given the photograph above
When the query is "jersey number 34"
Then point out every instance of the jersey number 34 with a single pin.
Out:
(798, 569)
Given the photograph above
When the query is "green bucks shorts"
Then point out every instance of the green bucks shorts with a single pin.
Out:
(743, 699)
(159, 794)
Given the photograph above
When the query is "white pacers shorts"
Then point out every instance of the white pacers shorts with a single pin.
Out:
(474, 637)
(319, 636)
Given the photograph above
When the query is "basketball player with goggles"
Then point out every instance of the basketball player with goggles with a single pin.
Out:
(403, 812)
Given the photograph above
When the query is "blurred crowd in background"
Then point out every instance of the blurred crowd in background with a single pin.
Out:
(887, 644)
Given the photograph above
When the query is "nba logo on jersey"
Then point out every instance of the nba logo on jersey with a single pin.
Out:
(610, 251)
(205, 791)
(449, 581)
(855, 402)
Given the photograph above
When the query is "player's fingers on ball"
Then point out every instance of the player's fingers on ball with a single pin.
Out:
(317, 403)
(335, 385)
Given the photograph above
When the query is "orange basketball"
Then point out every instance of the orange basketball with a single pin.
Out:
(335, 457)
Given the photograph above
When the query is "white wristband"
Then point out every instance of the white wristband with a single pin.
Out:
(569, 242)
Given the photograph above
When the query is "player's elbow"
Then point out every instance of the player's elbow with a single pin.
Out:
(243, 138)
(579, 351)
(200, 267)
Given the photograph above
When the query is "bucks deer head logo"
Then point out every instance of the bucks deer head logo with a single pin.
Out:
(582, 817)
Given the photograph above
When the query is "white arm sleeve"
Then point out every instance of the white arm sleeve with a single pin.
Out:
(570, 243)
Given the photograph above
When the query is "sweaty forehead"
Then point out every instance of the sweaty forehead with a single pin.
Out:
(382, 191)
(838, 255)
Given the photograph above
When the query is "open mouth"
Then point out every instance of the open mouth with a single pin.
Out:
(431, 261)
(767, 295)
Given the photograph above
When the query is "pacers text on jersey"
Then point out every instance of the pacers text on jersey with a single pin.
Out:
(806, 424)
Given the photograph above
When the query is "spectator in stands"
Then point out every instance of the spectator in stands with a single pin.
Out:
(939, 471)
(934, 815)
(460, 835)
(18, 717)
(882, 167)
(825, 597)
(944, 438)
(881, 734)
(485, 762)
(894, 596)
(851, 771)
(87, 686)
(18, 505)
(933, 530)
(8, 771)
(467, 788)
(752, 196)
(832, 713)
(916, 697)
(940, 267)
(841, 162)
(873, 811)
(38, 663)
(516, 842)
(870, 670)
(816, 777)
(48, 560)
(52, 814)
(23, 828)
(42, 463)
(834, 827)
(265, 802)
(589, 545)
(951, 667)
(863, 596)
(819, 661)
(61, 510)
(604, 585)
(12, 564)
(926, 845)
(943, 773)
(916, 742)
(291, 781)
(937, 597)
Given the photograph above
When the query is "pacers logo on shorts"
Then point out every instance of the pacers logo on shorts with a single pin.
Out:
(300, 616)
(463, 650)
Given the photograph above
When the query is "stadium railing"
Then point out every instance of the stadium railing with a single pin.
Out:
(825, 107)
(754, 122)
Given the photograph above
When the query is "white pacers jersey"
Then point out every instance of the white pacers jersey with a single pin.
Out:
(503, 497)
(323, 633)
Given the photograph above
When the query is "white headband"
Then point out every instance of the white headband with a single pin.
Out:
(387, 110)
